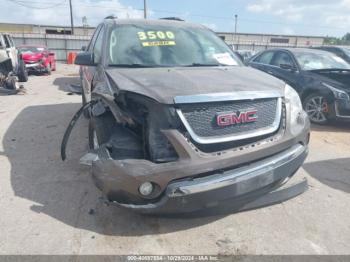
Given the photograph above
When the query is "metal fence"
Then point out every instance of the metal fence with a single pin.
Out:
(61, 45)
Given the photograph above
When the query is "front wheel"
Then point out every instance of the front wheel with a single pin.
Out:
(11, 83)
(317, 107)
(22, 71)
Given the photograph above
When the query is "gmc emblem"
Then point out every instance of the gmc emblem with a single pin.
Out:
(229, 119)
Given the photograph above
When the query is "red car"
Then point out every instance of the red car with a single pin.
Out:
(38, 58)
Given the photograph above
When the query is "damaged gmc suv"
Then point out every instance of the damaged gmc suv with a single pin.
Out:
(178, 124)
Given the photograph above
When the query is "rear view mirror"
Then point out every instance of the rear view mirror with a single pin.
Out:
(85, 59)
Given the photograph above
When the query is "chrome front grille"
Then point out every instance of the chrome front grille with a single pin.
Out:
(200, 119)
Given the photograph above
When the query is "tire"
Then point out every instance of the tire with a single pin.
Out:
(100, 130)
(11, 83)
(22, 71)
(317, 107)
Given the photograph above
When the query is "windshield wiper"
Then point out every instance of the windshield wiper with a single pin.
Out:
(331, 70)
(203, 65)
(131, 65)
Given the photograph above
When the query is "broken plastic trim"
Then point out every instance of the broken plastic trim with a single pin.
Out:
(71, 126)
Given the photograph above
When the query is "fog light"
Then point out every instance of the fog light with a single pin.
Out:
(146, 189)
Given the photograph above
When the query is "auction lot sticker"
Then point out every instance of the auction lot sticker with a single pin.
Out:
(156, 38)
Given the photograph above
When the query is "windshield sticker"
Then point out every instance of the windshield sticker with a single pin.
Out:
(225, 59)
(159, 43)
(158, 38)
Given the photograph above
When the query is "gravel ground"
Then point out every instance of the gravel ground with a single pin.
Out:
(52, 207)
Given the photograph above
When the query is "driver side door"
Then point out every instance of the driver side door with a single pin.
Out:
(284, 67)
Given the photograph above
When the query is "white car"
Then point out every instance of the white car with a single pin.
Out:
(11, 63)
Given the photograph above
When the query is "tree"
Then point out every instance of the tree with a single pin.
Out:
(345, 40)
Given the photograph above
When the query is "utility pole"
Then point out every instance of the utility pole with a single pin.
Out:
(145, 9)
(236, 21)
(71, 17)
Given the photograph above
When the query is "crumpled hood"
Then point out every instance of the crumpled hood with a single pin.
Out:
(32, 57)
(164, 84)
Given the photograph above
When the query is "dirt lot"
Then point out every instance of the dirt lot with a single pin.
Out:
(52, 207)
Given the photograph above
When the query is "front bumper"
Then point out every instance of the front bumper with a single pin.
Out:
(37, 67)
(247, 187)
(342, 109)
(200, 180)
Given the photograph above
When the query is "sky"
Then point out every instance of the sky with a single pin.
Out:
(301, 17)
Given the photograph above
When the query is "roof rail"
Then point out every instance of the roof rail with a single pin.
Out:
(172, 18)
(111, 17)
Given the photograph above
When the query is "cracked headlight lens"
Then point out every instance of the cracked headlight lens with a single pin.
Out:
(293, 98)
(296, 109)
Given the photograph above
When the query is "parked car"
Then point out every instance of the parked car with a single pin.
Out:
(322, 80)
(341, 51)
(11, 63)
(38, 58)
(246, 54)
(178, 124)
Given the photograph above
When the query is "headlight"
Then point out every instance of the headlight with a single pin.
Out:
(293, 98)
(338, 94)
(296, 109)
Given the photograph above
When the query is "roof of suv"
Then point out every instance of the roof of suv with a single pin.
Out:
(160, 22)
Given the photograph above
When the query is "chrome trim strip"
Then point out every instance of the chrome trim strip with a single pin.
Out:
(232, 96)
(234, 176)
(235, 137)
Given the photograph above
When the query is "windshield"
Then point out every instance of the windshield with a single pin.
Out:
(31, 49)
(318, 61)
(163, 46)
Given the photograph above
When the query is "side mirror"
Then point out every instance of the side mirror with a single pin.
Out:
(288, 67)
(84, 59)
(83, 48)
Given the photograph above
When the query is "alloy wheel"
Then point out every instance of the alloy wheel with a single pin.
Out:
(317, 108)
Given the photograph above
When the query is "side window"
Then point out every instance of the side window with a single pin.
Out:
(12, 43)
(7, 42)
(264, 58)
(98, 47)
(283, 58)
(93, 39)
